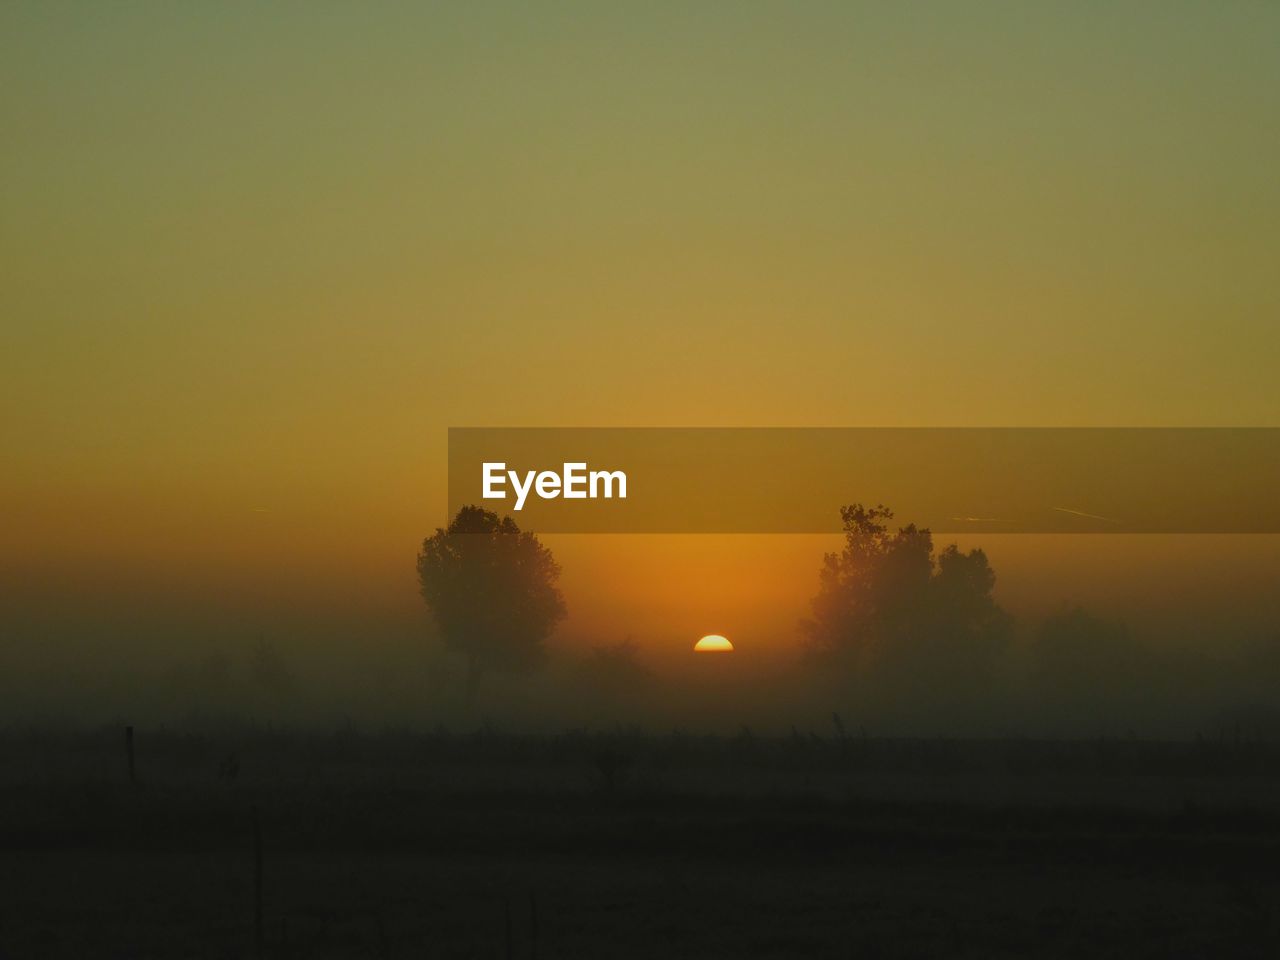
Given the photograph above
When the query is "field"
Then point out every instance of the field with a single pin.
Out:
(395, 844)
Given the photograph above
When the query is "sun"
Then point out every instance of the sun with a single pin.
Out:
(713, 643)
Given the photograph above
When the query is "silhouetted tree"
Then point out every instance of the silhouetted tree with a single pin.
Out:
(617, 666)
(492, 591)
(886, 602)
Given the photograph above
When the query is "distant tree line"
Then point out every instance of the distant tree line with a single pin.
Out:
(896, 625)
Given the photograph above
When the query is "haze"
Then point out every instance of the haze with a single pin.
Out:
(254, 268)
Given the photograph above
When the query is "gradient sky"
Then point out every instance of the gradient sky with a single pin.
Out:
(257, 260)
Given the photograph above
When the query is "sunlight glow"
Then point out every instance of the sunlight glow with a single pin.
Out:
(713, 643)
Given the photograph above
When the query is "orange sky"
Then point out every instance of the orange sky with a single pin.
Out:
(257, 263)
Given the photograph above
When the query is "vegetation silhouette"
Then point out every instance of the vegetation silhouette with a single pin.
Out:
(614, 684)
(618, 666)
(891, 607)
(492, 591)
(616, 832)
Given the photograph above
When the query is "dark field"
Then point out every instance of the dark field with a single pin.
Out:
(622, 845)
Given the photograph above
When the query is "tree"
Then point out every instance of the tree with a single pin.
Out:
(613, 683)
(492, 591)
(888, 604)
(617, 668)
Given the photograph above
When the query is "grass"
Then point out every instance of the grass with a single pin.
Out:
(397, 844)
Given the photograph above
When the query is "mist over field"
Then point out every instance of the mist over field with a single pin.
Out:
(1154, 637)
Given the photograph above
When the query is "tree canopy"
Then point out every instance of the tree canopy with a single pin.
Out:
(888, 602)
(492, 591)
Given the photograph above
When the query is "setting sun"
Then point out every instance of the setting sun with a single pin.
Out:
(713, 643)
